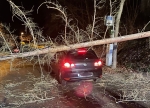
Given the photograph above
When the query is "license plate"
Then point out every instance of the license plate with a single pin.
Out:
(85, 74)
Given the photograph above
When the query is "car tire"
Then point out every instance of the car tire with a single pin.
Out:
(61, 80)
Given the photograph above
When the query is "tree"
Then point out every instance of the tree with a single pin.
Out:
(75, 38)
(52, 51)
(116, 32)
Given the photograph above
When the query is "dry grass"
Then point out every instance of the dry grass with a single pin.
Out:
(129, 85)
(30, 91)
(22, 83)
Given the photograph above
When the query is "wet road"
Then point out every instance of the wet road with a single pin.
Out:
(98, 97)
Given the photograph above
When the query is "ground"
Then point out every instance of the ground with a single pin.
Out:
(24, 86)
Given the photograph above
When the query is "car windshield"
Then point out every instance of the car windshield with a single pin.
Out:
(87, 55)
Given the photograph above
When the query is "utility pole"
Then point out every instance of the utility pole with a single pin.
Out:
(109, 22)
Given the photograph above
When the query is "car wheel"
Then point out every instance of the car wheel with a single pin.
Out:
(61, 80)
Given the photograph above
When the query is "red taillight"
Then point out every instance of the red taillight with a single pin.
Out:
(82, 51)
(98, 63)
(68, 65)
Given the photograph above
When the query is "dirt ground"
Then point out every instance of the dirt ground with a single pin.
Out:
(25, 84)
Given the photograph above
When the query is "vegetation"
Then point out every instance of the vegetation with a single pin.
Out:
(74, 35)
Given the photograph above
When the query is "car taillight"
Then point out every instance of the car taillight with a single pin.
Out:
(82, 51)
(68, 65)
(98, 63)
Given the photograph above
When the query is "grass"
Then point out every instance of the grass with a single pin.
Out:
(24, 85)
(127, 84)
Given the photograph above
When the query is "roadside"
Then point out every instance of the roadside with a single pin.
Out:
(26, 87)
(127, 85)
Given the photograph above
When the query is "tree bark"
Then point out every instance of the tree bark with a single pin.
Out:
(73, 46)
(114, 65)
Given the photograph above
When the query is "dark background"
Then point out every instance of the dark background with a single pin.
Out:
(52, 25)
(6, 13)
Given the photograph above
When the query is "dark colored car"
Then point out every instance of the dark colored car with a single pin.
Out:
(79, 64)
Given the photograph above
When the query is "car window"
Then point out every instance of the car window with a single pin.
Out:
(87, 55)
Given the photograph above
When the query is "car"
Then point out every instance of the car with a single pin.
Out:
(79, 64)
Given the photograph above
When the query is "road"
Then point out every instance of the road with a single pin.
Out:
(84, 94)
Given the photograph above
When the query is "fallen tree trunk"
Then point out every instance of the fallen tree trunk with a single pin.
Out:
(79, 45)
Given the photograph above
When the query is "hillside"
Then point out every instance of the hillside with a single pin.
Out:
(135, 55)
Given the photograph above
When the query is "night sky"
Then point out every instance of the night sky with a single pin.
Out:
(46, 18)
(6, 14)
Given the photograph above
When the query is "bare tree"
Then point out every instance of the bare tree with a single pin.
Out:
(117, 21)
(62, 10)
(22, 16)
(78, 45)
(76, 38)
